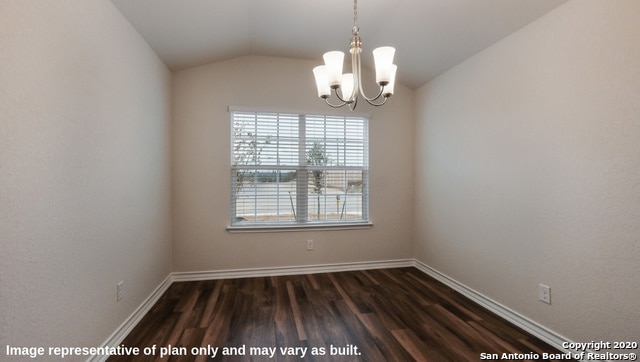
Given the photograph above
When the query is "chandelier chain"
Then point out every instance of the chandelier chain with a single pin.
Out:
(355, 17)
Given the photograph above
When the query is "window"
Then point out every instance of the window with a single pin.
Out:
(291, 169)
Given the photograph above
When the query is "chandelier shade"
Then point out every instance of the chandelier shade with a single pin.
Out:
(347, 87)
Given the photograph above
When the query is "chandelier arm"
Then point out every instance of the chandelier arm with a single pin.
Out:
(377, 104)
(353, 104)
(357, 70)
(344, 101)
(326, 99)
(369, 100)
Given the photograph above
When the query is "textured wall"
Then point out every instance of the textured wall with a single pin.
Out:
(528, 169)
(84, 172)
(201, 181)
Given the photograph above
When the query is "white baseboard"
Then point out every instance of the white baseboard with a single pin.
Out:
(532, 327)
(292, 270)
(127, 326)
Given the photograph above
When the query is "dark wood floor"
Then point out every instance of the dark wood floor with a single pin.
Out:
(375, 315)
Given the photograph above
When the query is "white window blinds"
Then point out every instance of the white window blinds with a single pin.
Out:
(289, 168)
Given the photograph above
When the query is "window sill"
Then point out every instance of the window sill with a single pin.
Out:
(297, 227)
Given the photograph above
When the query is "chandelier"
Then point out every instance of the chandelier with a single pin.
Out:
(348, 87)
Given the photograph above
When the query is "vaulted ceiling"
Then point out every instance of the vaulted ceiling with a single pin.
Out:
(430, 36)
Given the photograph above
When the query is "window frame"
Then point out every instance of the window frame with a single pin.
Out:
(303, 170)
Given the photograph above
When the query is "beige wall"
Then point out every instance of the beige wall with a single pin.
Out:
(84, 172)
(201, 162)
(526, 162)
(528, 171)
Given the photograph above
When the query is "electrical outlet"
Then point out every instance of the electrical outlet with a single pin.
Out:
(310, 244)
(119, 291)
(544, 293)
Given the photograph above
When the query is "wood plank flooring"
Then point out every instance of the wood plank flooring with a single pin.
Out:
(395, 314)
